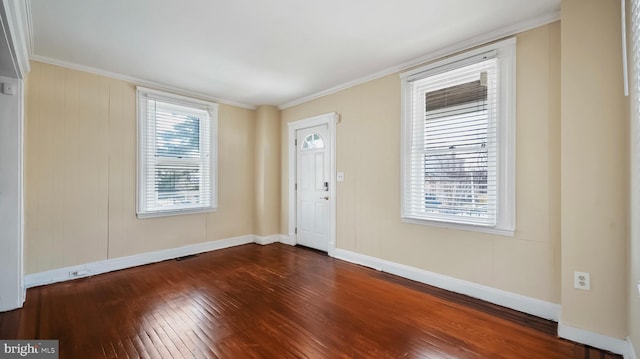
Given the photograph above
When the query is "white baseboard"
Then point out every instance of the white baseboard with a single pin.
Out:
(631, 352)
(264, 240)
(514, 301)
(357, 258)
(285, 239)
(600, 341)
(109, 265)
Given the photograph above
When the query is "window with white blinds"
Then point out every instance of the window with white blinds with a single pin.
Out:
(457, 120)
(177, 152)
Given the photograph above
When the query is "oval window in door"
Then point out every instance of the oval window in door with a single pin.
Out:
(313, 141)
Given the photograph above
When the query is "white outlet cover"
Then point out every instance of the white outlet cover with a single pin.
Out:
(582, 280)
(340, 176)
(8, 88)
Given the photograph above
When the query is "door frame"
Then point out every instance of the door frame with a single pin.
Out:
(329, 119)
(13, 290)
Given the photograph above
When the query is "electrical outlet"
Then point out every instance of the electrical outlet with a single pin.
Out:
(8, 88)
(582, 280)
(79, 273)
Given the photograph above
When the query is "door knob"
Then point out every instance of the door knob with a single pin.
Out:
(326, 197)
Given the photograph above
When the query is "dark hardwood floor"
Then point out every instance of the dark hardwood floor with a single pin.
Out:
(274, 301)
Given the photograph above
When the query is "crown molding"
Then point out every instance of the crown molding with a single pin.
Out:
(461, 46)
(27, 25)
(138, 81)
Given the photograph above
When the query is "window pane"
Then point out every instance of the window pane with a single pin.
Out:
(453, 165)
(473, 91)
(456, 183)
(455, 160)
(177, 185)
(177, 136)
(312, 141)
(466, 130)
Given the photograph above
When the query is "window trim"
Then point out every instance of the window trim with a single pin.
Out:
(212, 108)
(505, 52)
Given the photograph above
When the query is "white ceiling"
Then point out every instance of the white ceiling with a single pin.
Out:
(256, 52)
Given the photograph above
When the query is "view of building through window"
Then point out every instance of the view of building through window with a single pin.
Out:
(454, 143)
(178, 141)
(455, 164)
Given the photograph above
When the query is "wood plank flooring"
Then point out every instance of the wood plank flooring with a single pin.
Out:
(274, 301)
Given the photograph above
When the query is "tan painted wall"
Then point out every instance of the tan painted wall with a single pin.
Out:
(634, 223)
(594, 167)
(368, 201)
(267, 171)
(634, 244)
(80, 174)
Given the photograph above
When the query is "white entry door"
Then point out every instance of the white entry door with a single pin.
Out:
(312, 194)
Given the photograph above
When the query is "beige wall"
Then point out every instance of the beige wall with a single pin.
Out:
(634, 223)
(634, 251)
(80, 174)
(594, 167)
(368, 201)
(267, 171)
(634, 245)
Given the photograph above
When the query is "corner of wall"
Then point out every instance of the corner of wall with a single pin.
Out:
(267, 169)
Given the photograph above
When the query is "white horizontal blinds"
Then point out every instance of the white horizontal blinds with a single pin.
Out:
(452, 174)
(177, 157)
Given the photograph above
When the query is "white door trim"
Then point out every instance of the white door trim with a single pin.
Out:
(12, 290)
(330, 119)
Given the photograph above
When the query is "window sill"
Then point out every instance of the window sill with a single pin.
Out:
(460, 226)
(177, 212)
